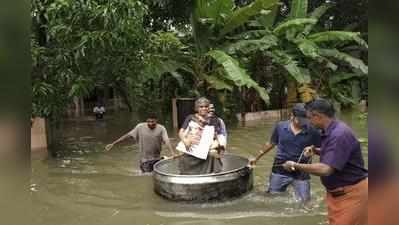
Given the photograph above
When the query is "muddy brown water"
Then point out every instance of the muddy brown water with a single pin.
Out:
(83, 185)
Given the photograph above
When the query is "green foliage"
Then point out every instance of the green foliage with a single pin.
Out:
(73, 33)
(149, 55)
(218, 82)
(249, 46)
(165, 51)
(213, 11)
(342, 77)
(293, 25)
(299, 9)
(243, 14)
(317, 14)
(291, 66)
(352, 61)
(320, 11)
(236, 74)
(88, 44)
(296, 47)
(341, 37)
(267, 19)
(213, 64)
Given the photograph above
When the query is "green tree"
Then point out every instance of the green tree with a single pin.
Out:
(79, 45)
(208, 62)
(304, 49)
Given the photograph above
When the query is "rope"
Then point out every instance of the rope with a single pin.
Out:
(298, 161)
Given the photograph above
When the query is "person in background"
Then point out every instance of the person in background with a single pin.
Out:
(150, 136)
(291, 137)
(99, 111)
(341, 167)
(212, 115)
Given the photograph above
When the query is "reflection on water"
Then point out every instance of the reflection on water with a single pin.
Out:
(84, 185)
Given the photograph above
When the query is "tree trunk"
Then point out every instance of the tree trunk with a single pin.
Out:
(243, 106)
(292, 97)
(77, 106)
(124, 95)
(82, 106)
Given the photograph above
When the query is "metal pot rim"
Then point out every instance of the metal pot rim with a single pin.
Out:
(199, 175)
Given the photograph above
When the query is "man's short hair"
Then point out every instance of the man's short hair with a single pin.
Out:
(152, 115)
(322, 106)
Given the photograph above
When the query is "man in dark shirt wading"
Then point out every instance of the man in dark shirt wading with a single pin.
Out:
(341, 166)
(291, 137)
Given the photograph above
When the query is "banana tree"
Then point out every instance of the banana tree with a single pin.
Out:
(212, 22)
(304, 53)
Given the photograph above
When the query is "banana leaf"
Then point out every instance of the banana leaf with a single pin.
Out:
(237, 74)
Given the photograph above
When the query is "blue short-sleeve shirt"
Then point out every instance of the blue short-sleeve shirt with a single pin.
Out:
(290, 146)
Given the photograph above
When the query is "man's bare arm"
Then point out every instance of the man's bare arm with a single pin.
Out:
(109, 147)
(266, 148)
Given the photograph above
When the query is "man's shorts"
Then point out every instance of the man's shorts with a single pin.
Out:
(278, 183)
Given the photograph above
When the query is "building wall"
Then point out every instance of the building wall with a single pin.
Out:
(269, 114)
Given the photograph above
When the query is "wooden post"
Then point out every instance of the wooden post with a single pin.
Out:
(38, 134)
(116, 105)
(174, 114)
(77, 106)
(82, 106)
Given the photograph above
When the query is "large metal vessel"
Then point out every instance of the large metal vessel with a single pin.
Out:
(234, 180)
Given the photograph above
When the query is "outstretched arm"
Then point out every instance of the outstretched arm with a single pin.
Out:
(318, 169)
(165, 139)
(109, 147)
(266, 148)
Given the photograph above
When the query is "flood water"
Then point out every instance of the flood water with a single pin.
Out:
(84, 185)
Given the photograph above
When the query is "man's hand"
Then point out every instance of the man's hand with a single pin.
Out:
(108, 147)
(214, 153)
(174, 156)
(215, 144)
(252, 162)
(289, 166)
(308, 151)
(166, 157)
(195, 140)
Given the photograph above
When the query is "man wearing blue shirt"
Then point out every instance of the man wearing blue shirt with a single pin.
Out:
(341, 167)
(291, 137)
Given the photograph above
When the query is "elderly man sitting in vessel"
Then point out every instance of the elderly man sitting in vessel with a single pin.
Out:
(202, 141)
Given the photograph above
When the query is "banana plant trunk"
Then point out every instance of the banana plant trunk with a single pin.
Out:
(243, 106)
(292, 96)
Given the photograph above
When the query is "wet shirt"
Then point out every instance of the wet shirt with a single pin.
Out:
(149, 141)
(291, 146)
(98, 109)
(213, 121)
(341, 150)
(223, 129)
(191, 165)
